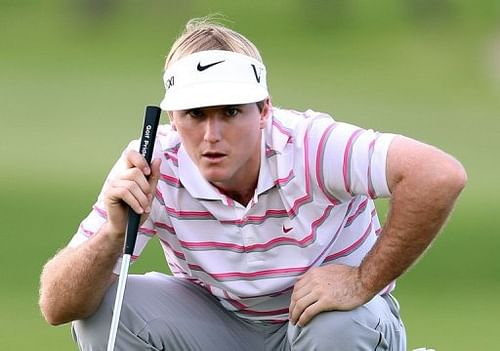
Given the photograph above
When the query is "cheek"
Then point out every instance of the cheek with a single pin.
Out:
(250, 139)
(189, 137)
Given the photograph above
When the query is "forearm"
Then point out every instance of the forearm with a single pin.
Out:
(73, 283)
(421, 202)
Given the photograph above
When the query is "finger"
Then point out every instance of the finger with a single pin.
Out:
(137, 176)
(301, 281)
(297, 294)
(120, 196)
(130, 193)
(309, 313)
(299, 291)
(301, 305)
(141, 187)
(135, 159)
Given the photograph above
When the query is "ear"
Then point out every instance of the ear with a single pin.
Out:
(171, 118)
(265, 113)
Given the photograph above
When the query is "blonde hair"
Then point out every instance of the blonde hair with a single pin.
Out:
(202, 34)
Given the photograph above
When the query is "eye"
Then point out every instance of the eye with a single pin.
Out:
(195, 113)
(231, 111)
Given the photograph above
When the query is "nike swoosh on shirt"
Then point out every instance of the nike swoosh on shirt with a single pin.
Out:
(286, 230)
(201, 67)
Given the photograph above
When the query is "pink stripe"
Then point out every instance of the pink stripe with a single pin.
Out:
(189, 214)
(348, 250)
(274, 294)
(270, 152)
(300, 201)
(170, 156)
(174, 149)
(282, 181)
(234, 303)
(361, 208)
(281, 128)
(177, 254)
(101, 211)
(256, 219)
(371, 190)
(210, 245)
(86, 231)
(252, 275)
(177, 269)
(319, 164)
(172, 153)
(147, 231)
(280, 240)
(165, 226)
(170, 180)
(243, 309)
(347, 160)
(159, 196)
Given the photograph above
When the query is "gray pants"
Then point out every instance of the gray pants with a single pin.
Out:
(166, 313)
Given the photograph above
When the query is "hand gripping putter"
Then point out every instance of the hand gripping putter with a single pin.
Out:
(151, 121)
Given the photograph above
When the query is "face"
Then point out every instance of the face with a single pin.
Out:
(224, 142)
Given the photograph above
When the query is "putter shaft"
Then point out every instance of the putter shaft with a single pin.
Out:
(120, 291)
(151, 121)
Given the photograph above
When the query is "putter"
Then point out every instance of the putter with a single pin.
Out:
(151, 121)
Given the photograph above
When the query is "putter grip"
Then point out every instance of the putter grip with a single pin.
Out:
(151, 121)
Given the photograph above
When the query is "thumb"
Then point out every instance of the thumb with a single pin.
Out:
(153, 181)
(155, 174)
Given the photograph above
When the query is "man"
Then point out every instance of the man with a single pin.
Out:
(265, 215)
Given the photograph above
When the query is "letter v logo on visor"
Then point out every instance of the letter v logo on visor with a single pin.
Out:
(213, 78)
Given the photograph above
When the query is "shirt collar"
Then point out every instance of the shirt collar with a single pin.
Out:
(277, 136)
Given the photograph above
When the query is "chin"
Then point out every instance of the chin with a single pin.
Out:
(215, 177)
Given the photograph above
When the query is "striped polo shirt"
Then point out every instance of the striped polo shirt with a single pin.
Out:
(313, 206)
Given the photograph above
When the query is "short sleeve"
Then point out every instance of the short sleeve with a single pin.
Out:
(354, 161)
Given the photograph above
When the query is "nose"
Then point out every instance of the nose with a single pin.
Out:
(213, 129)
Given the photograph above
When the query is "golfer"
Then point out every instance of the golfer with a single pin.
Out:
(265, 215)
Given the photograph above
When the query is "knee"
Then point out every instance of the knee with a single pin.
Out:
(337, 330)
(335, 325)
(93, 331)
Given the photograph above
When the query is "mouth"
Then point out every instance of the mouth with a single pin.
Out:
(213, 155)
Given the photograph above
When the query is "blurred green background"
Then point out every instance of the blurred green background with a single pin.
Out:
(75, 77)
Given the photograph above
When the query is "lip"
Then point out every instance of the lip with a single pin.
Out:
(213, 156)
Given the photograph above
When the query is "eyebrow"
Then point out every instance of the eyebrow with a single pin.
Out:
(213, 107)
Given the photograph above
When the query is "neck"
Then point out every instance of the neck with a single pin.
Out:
(240, 195)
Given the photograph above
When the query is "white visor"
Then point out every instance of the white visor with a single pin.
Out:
(213, 78)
